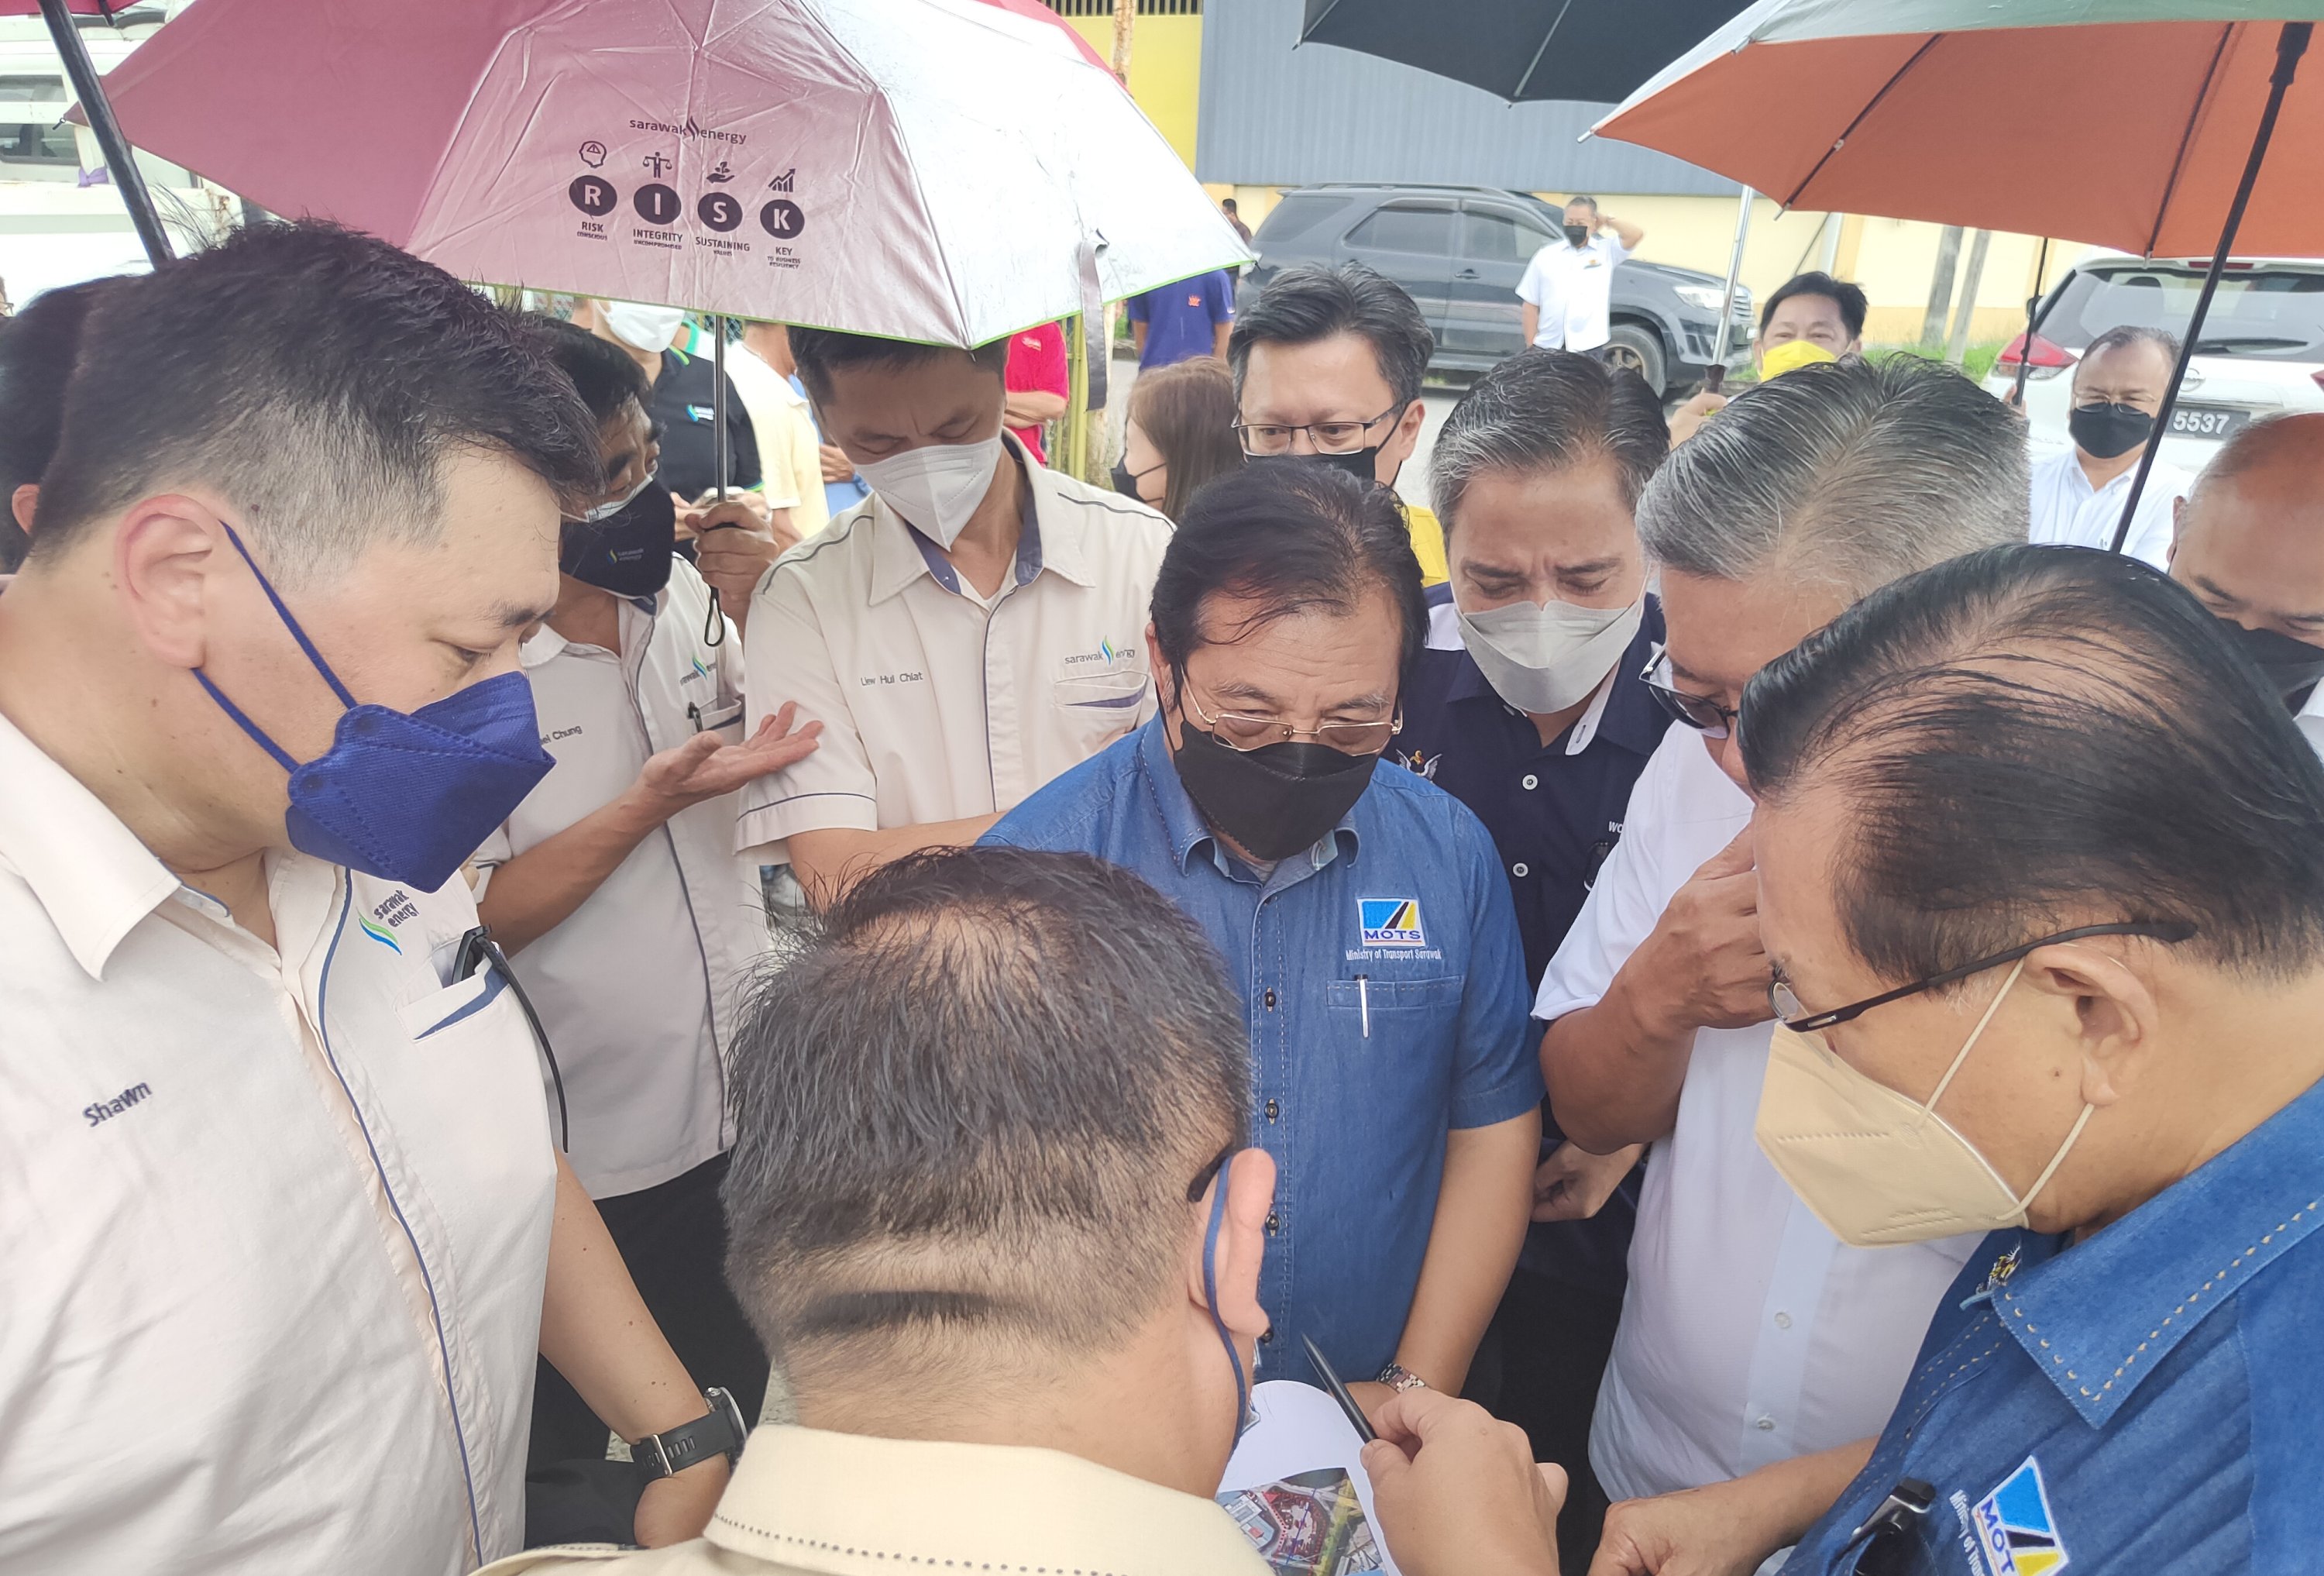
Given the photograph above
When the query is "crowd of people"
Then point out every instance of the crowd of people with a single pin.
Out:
(841, 1013)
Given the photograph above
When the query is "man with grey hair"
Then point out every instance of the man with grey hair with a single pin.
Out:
(2249, 542)
(1753, 1345)
(2077, 493)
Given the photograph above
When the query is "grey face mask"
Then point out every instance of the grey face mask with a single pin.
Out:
(1544, 659)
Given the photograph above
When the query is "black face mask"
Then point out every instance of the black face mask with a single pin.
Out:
(1272, 801)
(1579, 234)
(1123, 482)
(2108, 431)
(627, 553)
(2293, 667)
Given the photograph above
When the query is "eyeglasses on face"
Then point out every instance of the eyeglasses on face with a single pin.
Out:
(1795, 1015)
(1267, 438)
(1239, 732)
(598, 513)
(1699, 711)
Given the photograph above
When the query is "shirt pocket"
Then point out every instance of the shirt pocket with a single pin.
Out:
(1393, 1013)
(1094, 709)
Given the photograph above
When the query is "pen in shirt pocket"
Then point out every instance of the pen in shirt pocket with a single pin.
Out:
(1364, 1002)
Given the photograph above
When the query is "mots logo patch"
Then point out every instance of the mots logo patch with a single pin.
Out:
(2014, 1530)
(1390, 922)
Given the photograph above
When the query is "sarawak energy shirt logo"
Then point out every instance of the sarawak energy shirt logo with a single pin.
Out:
(1390, 921)
(2014, 1528)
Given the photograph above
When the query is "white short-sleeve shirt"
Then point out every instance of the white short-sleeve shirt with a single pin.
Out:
(1574, 287)
(2068, 510)
(274, 1221)
(638, 987)
(935, 704)
(1750, 1333)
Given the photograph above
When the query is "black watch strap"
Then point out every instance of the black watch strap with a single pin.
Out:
(717, 1431)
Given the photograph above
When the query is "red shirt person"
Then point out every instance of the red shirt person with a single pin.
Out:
(1036, 380)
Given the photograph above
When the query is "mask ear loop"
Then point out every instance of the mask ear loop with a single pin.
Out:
(1243, 1417)
(1969, 1045)
(257, 733)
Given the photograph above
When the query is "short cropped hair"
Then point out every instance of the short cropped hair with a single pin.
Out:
(2031, 738)
(1293, 536)
(1845, 473)
(1579, 200)
(1308, 302)
(2300, 431)
(1847, 298)
(603, 372)
(1545, 411)
(817, 353)
(2125, 336)
(37, 348)
(972, 1105)
(321, 380)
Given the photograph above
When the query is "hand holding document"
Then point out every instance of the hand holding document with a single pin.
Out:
(1297, 1485)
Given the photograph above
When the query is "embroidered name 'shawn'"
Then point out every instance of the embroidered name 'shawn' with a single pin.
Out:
(105, 1111)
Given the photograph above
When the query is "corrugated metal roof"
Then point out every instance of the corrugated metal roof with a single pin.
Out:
(1275, 115)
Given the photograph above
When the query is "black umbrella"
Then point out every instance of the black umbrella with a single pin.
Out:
(1594, 50)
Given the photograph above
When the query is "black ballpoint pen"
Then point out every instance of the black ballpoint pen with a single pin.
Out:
(1338, 1391)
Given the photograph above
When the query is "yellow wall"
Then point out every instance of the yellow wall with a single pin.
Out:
(1892, 259)
(1166, 71)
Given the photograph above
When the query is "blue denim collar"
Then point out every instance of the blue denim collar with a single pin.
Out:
(2100, 1316)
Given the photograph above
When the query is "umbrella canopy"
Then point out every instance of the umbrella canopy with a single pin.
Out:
(1594, 50)
(932, 170)
(2122, 123)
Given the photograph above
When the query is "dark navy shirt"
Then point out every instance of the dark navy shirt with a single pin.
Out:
(2149, 1399)
(1554, 813)
(1182, 319)
(1385, 999)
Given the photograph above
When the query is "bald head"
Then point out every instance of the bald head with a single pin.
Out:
(2250, 536)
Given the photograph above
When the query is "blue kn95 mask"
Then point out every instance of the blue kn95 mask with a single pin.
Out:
(404, 795)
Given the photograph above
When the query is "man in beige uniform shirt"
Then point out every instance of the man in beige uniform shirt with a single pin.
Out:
(967, 633)
(1015, 1285)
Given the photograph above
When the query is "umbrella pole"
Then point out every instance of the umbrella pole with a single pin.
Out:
(2033, 323)
(127, 179)
(714, 626)
(2290, 45)
(1717, 376)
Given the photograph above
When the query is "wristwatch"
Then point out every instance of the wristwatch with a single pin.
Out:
(720, 1430)
(1397, 1376)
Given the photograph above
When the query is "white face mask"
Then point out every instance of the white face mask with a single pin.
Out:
(937, 487)
(641, 327)
(1544, 658)
(1874, 1166)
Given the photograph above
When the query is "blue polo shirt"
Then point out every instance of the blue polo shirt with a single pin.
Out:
(1385, 995)
(2148, 1399)
(1555, 812)
(1181, 319)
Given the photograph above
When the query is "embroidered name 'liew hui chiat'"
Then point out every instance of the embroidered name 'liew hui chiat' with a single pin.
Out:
(101, 1111)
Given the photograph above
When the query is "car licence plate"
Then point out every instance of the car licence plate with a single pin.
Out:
(2207, 420)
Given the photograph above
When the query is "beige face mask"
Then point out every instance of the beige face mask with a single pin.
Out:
(1874, 1166)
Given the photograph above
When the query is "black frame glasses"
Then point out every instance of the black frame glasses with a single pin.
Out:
(1244, 430)
(1699, 711)
(1779, 990)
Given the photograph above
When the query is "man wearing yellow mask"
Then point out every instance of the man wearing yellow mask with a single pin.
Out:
(2042, 879)
(1811, 317)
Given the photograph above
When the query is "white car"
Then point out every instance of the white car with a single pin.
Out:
(2261, 352)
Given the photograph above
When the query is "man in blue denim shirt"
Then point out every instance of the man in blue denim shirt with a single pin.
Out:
(1363, 917)
(2042, 877)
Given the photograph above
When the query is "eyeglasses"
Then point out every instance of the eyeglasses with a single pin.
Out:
(1699, 711)
(1794, 1016)
(1239, 732)
(1218, 1162)
(1267, 438)
(599, 513)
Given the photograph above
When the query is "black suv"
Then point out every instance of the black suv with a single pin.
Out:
(1460, 250)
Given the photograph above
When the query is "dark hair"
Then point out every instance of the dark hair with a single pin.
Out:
(2029, 738)
(1292, 535)
(1545, 411)
(816, 353)
(1310, 301)
(1848, 298)
(321, 380)
(1188, 412)
(602, 374)
(37, 346)
(1229, 204)
(2125, 335)
(1590, 202)
(974, 1101)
